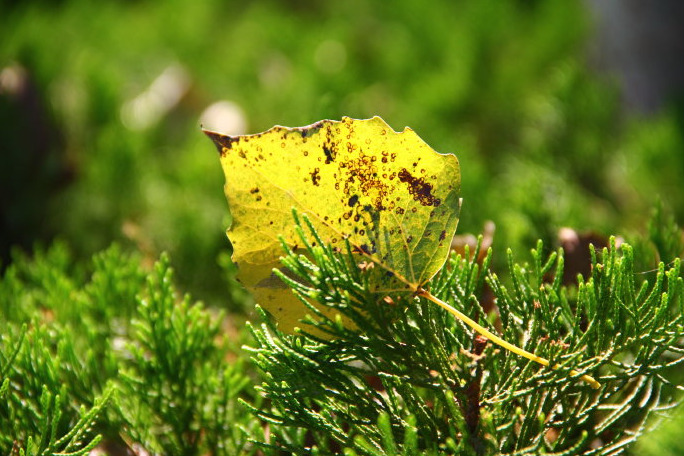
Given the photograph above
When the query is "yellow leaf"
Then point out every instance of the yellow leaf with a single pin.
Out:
(394, 198)
(389, 193)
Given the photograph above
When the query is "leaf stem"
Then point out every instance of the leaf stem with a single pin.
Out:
(498, 340)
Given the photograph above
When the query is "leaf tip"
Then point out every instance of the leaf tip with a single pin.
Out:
(222, 142)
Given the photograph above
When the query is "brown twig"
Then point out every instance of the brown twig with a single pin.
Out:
(471, 405)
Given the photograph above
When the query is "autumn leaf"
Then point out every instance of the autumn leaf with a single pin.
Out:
(388, 193)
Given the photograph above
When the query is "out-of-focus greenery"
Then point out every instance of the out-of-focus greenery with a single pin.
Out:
(101, 105)
(504, 85)
(666, 441)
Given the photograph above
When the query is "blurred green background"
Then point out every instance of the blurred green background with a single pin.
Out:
(101, 105)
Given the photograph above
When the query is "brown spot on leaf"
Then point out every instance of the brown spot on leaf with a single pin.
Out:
(361, 176)
(419, 188)
(315, 176)
(329, 154)
(363, 248)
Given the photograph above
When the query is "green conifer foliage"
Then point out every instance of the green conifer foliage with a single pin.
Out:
(107, 355)
(411, 379)
(110, 356)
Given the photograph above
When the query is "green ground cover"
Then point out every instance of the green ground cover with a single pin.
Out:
(100, 112)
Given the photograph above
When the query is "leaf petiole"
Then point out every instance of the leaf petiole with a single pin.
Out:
(498, 340)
